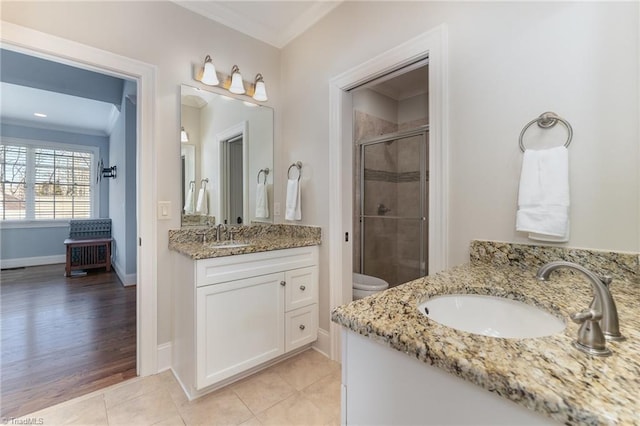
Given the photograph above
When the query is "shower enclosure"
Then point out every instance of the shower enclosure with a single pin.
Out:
(393, 205)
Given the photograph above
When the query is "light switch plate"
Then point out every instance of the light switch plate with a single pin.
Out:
(164, 210)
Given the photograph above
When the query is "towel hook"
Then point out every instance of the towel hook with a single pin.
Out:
(547, 120)
(204, 182)
(297, 165)
(266, 172)
(192, 184)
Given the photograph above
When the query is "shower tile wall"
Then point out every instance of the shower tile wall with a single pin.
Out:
(367, 126)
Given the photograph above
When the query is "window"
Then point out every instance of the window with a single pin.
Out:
(46, 182)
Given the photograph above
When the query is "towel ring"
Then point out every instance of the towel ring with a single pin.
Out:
(297, 165)
(266, 172)
(546, 121)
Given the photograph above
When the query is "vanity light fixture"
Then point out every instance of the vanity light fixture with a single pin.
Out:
(184, 137)
(237, 86)
(260, 91)
(209, 76)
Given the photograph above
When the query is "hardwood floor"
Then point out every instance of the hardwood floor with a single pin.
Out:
(63, 337)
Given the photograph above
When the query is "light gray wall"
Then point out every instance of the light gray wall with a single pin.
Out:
(122, 189)
(30, 71)
(18, 243)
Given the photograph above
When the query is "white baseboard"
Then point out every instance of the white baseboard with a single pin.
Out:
(323, 344)
(164, 356)
(127, 279)
(32, 261)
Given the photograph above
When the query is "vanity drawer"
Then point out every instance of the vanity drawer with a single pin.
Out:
(301, 288)
(301, 327)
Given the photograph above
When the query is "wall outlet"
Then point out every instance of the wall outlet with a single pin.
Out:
(164, 210)
(276, 209)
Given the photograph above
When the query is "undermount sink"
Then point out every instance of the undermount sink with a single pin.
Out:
(491, 316)
(229, 244)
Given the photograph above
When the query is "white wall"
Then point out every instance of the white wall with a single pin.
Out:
(508, 63)
(174, 40)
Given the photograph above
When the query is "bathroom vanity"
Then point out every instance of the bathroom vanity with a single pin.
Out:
(239, 309)
(424, 372)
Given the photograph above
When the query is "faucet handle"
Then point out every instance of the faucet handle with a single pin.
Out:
(590, 337)
(606, 280)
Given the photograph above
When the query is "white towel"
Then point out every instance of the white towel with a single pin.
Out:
(262, 201)
(543, 197)
(293, 211)
(202, 206)
(188, 204)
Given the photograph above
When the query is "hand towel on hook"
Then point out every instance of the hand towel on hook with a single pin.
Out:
(202, 206)
(262, 201)
(293, 210)
(188, 205)
(543, 197)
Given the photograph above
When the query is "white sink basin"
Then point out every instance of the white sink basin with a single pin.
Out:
(228, 245)
(491, 316)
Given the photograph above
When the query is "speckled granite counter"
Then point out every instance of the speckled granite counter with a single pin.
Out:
(259, 238)
(544, 374)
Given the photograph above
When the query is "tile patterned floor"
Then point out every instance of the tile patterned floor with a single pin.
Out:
(303, 390)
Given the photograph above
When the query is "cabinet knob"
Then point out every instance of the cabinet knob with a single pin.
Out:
(303, 288)
(301, 326)
(283, 283)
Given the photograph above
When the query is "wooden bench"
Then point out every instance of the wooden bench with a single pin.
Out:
(88, 245)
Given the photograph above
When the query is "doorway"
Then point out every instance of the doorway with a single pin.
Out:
(431, 45)
(47, 46)
(233, 185)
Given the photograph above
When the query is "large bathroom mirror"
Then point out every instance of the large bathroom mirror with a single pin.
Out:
(227, 159)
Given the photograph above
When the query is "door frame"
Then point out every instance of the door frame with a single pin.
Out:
(62, 50)
(432, 44)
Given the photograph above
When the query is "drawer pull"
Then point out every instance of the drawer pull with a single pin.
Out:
(283, 283)
(302, 327)
(303, 288)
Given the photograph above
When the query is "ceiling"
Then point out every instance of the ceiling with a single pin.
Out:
(64, 97)
(63, 112)
(274, 22)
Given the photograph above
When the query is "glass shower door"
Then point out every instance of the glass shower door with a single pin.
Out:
(393, 207)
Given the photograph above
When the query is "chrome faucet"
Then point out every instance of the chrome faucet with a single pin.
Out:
(600, 321)
(219, 229)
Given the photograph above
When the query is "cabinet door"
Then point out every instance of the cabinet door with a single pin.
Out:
(240, 324)
(302, 287)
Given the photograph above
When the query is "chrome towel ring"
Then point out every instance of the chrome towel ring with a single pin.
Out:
(546, 121)
(297, 165)
(266, 172)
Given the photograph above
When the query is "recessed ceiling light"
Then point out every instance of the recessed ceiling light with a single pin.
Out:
(39, 114)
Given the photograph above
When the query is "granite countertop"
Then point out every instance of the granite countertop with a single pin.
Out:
(205, 251)
(545, 374)
(260, 238)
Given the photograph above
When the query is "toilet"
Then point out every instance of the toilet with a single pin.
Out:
(366, 285)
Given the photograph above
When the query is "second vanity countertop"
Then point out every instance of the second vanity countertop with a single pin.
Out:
(544, 374)
(260, 238)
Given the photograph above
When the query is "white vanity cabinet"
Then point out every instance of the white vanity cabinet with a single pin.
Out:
(236, 313)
